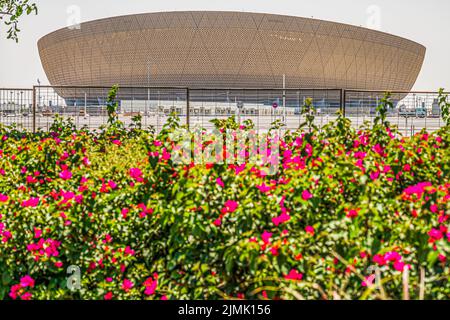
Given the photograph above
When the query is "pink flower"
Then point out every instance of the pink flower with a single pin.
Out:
(392, 256)
(65, 175)
(352, 213)
(14, 293)
(266, 237)
(151, 284)
(86, 162)
(108, 296)
(435, 234)
(374, 175)
(26, 296)
(230, 206)
(284, 217)
(112, 184)
(399, 266)
(378, 149)
(274, 251)
(220, 182)
(127, 285)
(379, 259)
(310, 230)
(217, 222)
(434, 208)
(124, 212)
(294, 275)
(32, 202)
(3, 198)
(165, 155)
(129, 251)
(136, 174)
(58, 264)
(37, 233)
(306, 195)
(26, 281)
(117, 142)
(263, 188)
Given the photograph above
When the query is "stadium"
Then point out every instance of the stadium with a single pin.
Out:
(226, 51)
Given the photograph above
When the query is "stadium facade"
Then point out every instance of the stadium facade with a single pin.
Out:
(226, 50)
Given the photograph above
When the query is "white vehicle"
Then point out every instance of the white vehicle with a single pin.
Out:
(404, 112)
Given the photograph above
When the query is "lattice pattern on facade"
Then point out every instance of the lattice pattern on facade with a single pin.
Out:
(229, 50)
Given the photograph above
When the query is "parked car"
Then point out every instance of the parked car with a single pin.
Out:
(421, 113)
(404, 112)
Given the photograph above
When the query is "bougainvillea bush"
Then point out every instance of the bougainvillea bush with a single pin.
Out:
(350, 214)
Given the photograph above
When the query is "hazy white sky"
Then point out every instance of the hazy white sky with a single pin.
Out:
(424, 21)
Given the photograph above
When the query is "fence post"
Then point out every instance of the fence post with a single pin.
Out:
(187, 107)
(34, 109)
(343, 101)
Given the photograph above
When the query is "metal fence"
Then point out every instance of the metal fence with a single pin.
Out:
(35, 109)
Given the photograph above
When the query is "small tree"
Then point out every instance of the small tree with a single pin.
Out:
(445, 107)
(11, 11)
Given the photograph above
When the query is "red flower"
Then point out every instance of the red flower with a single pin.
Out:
(294, 275)
(108, 296)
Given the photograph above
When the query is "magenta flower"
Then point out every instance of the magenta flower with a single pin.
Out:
(379, 259)
(306, 195)
(151, 284)
(263, 188)
(27, 281)
(374, 175)
(3, 198)
(266, 237)
(112, 184)
(294, 275)
(220, 182)
(435, 234)
(284, 217)
(127, 285)
(32, 202)
(65, 175)
(231, 206)
(136, 174)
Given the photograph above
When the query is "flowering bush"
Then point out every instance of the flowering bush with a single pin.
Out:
(350, 214)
